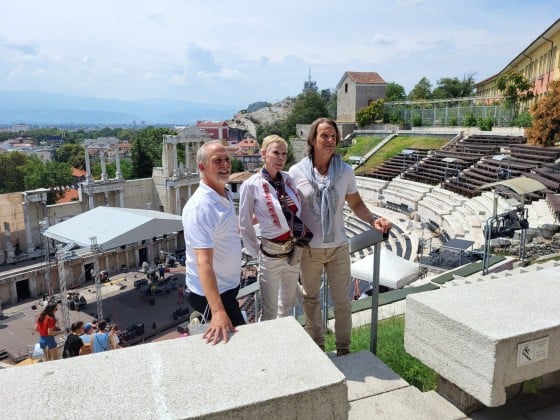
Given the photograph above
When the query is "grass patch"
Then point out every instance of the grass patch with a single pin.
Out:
(362, 145)
(398, 144)
(390, 349)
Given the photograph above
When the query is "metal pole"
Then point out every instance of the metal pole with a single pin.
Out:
(95, 249)
(63, 290)
(486, 257)
(325, 299)
(375, 297)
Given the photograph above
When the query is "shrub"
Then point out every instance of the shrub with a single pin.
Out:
(417, 121)
(470, 121)
(523, 120)
(486, 124)
(453, 121)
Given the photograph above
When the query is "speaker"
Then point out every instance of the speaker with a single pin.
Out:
(139, 329)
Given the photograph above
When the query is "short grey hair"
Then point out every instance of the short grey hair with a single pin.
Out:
(202, 153)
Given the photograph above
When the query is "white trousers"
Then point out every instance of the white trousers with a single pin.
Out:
(279, 284)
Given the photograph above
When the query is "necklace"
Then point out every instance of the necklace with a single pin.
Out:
(323, 172)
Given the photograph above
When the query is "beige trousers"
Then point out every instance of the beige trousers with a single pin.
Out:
(336, 262)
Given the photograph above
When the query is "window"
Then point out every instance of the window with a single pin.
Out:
(345, 87)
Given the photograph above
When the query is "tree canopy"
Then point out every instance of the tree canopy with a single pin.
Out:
(546, 118)
(448, 87)
(422, 90)
(395, 92)
(516, 88)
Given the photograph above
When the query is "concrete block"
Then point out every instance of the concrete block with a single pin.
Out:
(267, 370)
(487, 336)
(405, 403)
(366, 375)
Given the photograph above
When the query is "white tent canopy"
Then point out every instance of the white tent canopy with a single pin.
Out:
(394, 272)
(114, 227)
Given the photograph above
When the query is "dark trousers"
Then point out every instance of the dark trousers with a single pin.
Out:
(229, 300)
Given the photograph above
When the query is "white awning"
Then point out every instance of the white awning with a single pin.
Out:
(113, 227)
(394, 272)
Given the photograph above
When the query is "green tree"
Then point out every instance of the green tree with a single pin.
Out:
(448, 87)
(422, 90)
(329, 95)
(546, 118)
(52, 175)
(146, 150)
(237, 166)
(395, 92)
(516, 89)
(73, 154)
(308, 107)
(12, 171)
(371, 113)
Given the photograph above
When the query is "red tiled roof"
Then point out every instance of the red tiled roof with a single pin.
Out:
(365, 77)
(69, 195)
(210, 124)
(78, 172)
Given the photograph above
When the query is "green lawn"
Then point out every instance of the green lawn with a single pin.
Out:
(390, 349)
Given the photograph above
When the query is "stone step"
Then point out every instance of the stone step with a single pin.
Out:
(375, 391)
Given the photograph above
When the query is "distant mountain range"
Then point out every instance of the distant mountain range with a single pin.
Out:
(33, 107)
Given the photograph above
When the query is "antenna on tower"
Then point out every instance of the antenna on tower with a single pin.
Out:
(310, 84)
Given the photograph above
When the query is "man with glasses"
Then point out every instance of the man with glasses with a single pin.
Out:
(213, 245)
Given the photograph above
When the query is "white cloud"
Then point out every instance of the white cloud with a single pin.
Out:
(205, 50)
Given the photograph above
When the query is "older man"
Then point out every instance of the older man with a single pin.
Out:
(213, 245)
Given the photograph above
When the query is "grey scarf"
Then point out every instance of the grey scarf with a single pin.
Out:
(325, 193)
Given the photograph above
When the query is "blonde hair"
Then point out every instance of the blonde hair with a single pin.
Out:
(273, 138)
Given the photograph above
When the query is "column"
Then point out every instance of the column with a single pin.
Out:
(89, 178)
(175, 163)
(103, 165)
(178, 209)
(28, 234)
(13, 290)
(118, 161)
(121, 198)
(187, 158)
(91, 202)
(33, 286)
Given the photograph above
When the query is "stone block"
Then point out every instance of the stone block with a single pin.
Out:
(486, 336)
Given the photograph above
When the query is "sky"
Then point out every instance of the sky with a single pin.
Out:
(244, 51)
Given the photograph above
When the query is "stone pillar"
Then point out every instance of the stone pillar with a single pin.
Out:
(33, 286)
(187, 159)
(178, 209)
(121, 198)
(89, 177)
(175, 163)
(13, 290)
(103, 164)
(28, 233)
(91, 201)
(118, 161)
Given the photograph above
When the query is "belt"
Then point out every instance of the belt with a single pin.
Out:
(274, 255)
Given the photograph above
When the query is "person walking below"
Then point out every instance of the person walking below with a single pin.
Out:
(270, 197)
(325, 183)
(100, 341)
(46, 326)
(74, 343)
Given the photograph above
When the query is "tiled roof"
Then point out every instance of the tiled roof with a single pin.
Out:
(365, 77)
(362, 78)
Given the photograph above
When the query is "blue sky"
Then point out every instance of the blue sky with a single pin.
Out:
(244, 51)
